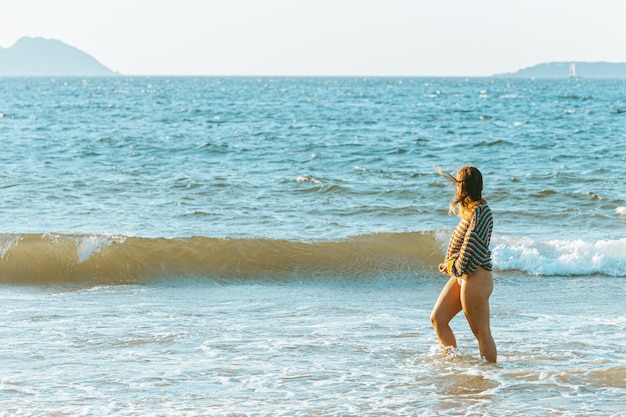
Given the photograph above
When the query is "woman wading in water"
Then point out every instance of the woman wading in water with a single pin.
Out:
(468, 263)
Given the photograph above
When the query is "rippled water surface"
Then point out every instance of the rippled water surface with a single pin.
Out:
(306, 158)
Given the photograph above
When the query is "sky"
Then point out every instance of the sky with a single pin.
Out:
(324, 37)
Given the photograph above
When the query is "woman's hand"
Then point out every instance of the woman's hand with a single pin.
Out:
(446, 267)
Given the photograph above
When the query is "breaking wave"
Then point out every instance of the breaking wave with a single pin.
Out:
(41, 258)
(93, 259)
(561, 257)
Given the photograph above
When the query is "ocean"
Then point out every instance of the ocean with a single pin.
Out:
(267, 246)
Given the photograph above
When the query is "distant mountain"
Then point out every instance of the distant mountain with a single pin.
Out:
(48, 57)
(561, 70)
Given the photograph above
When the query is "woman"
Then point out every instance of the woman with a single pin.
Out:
(468, 263)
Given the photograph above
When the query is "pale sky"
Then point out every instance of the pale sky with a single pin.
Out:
(324, 37)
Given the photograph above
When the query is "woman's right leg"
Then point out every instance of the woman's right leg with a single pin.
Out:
(475, 294)
(447, 306)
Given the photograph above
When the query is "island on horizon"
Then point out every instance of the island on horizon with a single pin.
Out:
(35, 57)
(571, 69)
(39, 57)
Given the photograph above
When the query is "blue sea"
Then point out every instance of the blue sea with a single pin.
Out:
(267, 246)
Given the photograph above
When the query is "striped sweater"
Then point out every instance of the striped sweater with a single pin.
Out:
(469, 244)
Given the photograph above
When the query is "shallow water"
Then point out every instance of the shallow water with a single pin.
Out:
(324, 347)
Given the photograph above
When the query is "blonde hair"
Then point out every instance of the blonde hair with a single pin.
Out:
(469, 188)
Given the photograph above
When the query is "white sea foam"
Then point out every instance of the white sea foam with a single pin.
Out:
(6, 243)
(621, 211)
(308, 178)
(89, 245)
(560, 257)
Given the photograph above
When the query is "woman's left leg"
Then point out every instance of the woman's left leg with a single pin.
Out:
(475, 292)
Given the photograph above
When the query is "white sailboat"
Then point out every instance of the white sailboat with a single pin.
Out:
(572, 70)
